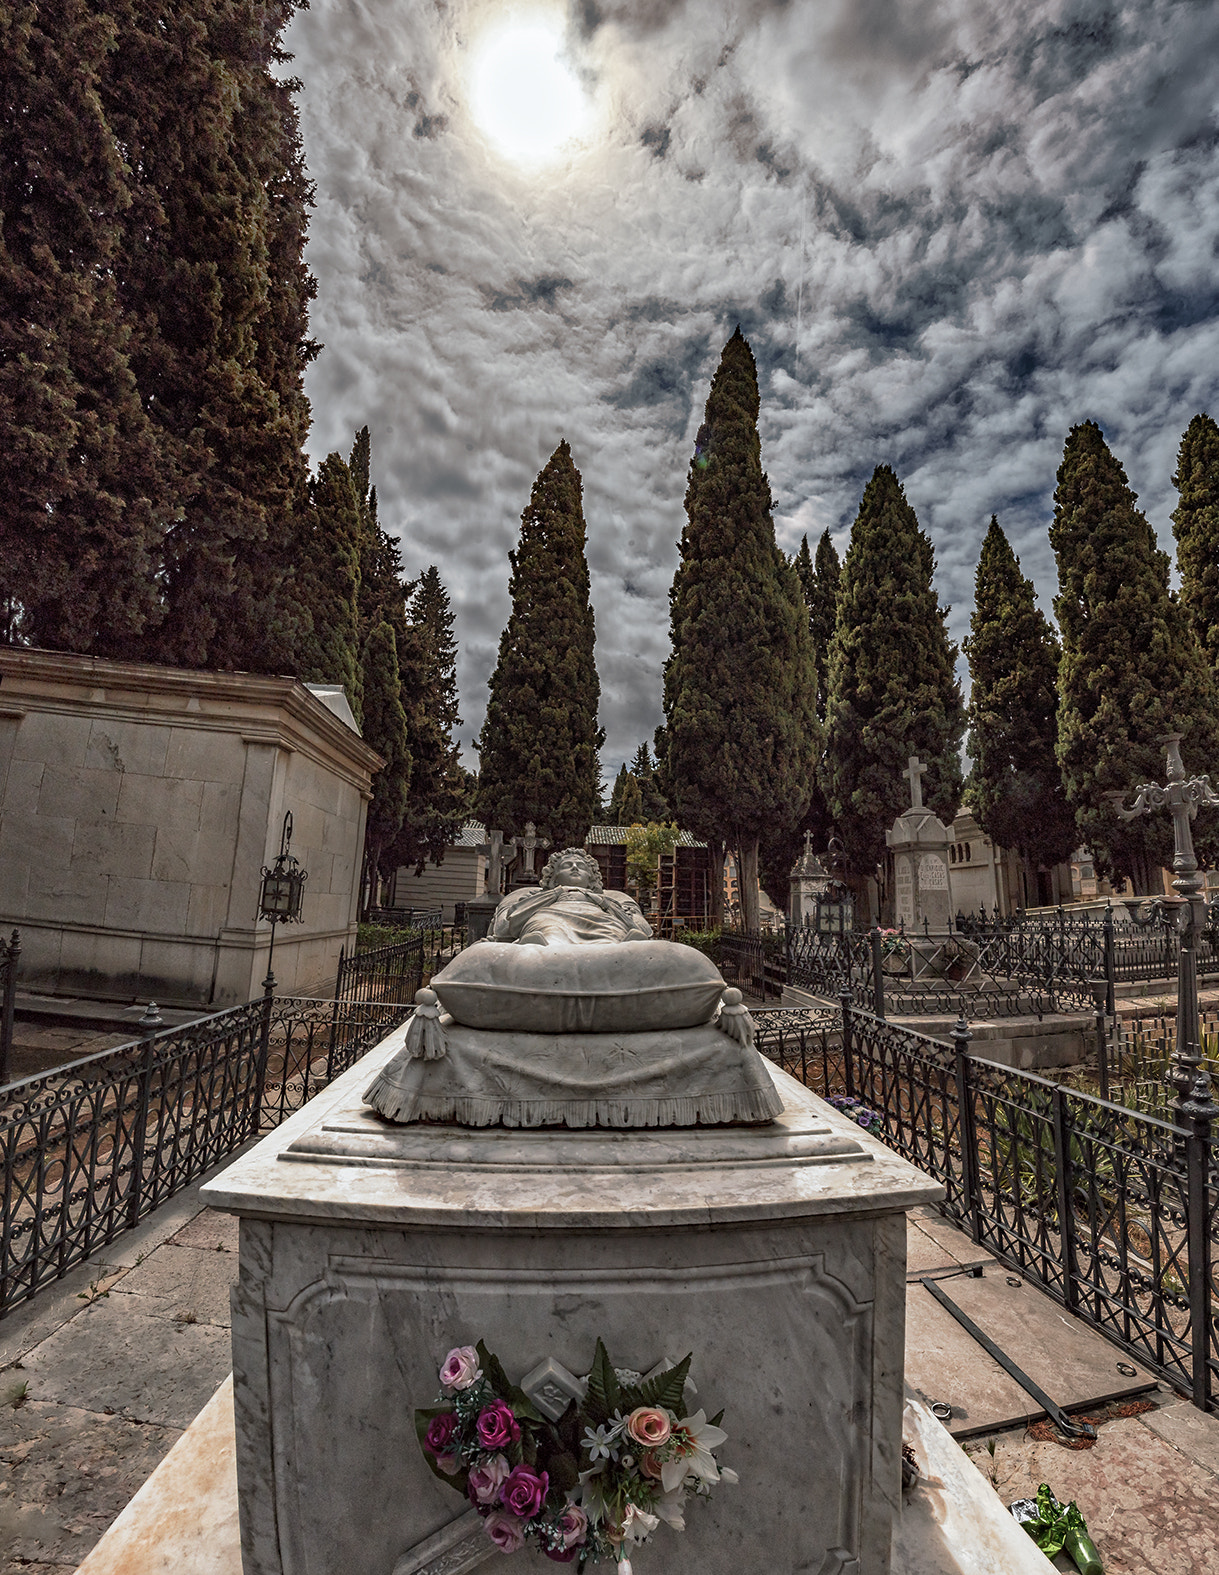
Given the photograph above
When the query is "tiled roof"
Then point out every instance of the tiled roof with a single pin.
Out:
(615, 836)
(470, 835)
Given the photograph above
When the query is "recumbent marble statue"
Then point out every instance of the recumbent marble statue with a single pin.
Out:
(569, 1013)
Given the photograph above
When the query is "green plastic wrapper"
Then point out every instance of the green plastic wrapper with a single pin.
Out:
(1054, 1526)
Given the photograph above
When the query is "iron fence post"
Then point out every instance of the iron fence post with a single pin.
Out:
(1063, 1194)
(150, 1021)
(1198, 1112)
(1110, 964)
(264, 1051)
(10, 953)
(961, 1036)
(1102, 1042)
(846, 1001)
(878, 977)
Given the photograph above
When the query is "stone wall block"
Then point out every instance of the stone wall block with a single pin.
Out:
(54, 736)
(14, 885)
(156, 905)
(53, 892)
(206, 910)
(113, 849)
(78, 793)
(191, 856)
(22, 787)
(163, 802)
(99, 964)
(220, 809)
(43, 842)
(129, 747)
(204, 754)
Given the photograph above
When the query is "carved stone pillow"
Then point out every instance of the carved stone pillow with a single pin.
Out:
(621, 988)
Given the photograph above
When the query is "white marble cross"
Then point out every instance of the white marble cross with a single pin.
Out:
(914, 775)
(528, 843)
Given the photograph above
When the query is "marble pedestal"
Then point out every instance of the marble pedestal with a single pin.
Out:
(776, 1254)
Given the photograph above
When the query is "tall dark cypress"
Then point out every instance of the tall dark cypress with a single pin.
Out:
(1131, 668)
(384, 728)
(1195, 524)
(214, 288)
(328, 583)
(823, 613)
(539, 744)
(892, 682)
(1015, 788)
(740, 735)
(83, 499)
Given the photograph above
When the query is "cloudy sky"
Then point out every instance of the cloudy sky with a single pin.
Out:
(948, 230)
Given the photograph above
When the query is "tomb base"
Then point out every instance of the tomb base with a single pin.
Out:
(775, 1254)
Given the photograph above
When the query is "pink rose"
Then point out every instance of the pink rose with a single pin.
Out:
(449, 1464)
(484, 1482)
(505, 1531)
(524, 1491)
(650, 1465)
(496, 1426)
(574, 1522)
(440, 1433)
(460, 1368)
(562, 1555)
(647, 1425)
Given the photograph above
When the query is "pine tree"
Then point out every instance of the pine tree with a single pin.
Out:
(1196, 527)
(740, 736)
(384, 729)
(328, 583)
(83, 498)
(538, 747)
(1131, 668)
(1015, 788)
(216, 292)
(892, 683)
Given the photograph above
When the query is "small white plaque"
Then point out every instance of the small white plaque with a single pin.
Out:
(552, 1388)
(932, 873)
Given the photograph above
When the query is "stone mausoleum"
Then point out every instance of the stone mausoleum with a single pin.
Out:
(138, 805)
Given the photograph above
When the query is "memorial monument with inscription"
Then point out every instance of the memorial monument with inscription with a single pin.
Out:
(919, 841)
(573, 1149)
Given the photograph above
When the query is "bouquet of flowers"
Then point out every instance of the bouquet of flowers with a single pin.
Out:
(621, 1458)
(868, 1119)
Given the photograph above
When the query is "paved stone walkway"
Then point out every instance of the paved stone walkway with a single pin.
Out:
(100, 1375)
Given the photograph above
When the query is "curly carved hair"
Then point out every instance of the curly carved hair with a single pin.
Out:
(550, 873)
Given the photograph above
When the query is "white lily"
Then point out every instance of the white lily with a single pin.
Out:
(637, 1524)
(592, 1496)
(696, 1458)
(669, 1509)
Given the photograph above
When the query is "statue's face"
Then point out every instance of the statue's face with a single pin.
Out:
(572, 870)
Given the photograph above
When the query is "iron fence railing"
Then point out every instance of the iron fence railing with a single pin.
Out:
(90, 1149)
(1113, 1212)
(752, 962)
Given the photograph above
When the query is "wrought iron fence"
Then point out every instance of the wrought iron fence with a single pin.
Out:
(381, 973)
(1113, 1212)
(91, 1148)
(752, 962)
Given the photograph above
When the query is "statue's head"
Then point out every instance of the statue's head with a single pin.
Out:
(572, 867)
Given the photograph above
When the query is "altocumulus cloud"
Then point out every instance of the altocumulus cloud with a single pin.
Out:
(949, 231)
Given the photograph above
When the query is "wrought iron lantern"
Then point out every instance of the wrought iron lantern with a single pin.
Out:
(835, 907)
(283, 883)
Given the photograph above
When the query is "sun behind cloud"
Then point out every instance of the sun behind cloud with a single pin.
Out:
(524, 98)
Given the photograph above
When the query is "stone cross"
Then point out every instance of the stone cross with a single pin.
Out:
(528, 844)
(914, 775)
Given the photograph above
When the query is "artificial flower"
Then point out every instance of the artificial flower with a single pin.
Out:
(637, 1524)
(460, 1368)
(573, 1523)
(485, 1481)
(440, 1433)
(497, 1426)
(505, 1531)
(695, 1438)
(669, 1509)
(648, 1425)
(600, 1441)
(524, 1491)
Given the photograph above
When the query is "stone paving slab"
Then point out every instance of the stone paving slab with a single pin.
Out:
(184, 1284)
(1149, 1507)
(934, 1247)
(1071, 1362)
(119, 1360)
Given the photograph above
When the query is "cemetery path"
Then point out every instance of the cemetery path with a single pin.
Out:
(100, 1376)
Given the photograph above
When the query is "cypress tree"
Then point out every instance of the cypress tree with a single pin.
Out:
(615, 803)
(438, 800)
(1131, 669)
(740, 736)
(538, 746)
(83, 499)
(643, 769)
(384, 729)
(892, 682)
(631, 808)
(806, 574)
(216, 292)
(328, 577)
(1015, 788)
(1195, 524)
(827, 577)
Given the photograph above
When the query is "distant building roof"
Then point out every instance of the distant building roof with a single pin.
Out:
(470, 835)
(615, 836)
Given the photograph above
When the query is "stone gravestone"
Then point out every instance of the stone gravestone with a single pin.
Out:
(918, 841)
(768, 1241)
(808, 881)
